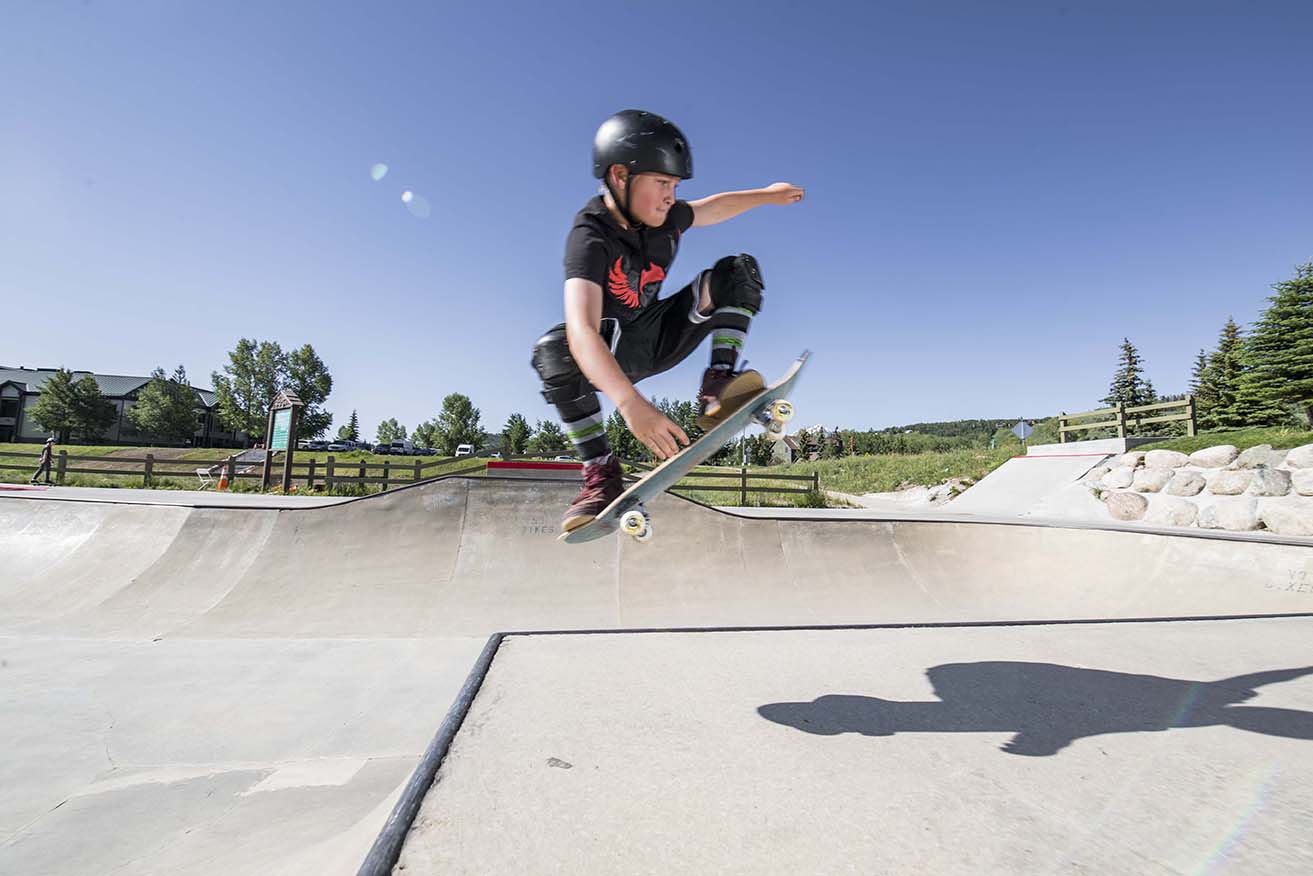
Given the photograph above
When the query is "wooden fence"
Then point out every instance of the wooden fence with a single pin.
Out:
(388, 473)
(1127, 417)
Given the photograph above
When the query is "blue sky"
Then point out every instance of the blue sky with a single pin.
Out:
(997, 193)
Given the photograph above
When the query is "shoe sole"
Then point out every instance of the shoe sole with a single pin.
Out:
(733, 397)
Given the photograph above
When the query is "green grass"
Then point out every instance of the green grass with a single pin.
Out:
(885, 473)
(1279, 437)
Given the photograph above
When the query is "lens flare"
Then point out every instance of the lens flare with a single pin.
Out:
(418, 205)
(378, 171)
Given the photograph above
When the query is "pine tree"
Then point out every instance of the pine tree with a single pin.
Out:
(353, 426)
(1277, 379)
(1226, 364)
(1204, 391)
(622, 441)
(1128, 387)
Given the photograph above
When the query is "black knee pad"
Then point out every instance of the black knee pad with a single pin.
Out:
(561, 377)
(736, 282)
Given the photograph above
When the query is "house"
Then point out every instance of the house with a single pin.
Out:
(21, 387)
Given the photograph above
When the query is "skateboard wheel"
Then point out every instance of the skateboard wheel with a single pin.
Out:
(775, 430)
(645, 535)
(634, 523)
(781, 411)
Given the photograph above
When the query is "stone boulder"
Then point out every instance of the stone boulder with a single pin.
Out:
(1185, 483)
(1134, 459)
(1151, 480)
(1214, 457)
(1094, 477)
(1127, 506)
(1302, 481)
(1262, 456)
(1287, 517)
(1165, 459)
(1166, 511)
(1230, 483)
(1238, 514)
(1300, 457)
(1270, 482)
(1120, 478)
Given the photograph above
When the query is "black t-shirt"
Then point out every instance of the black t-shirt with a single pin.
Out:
(628, 265)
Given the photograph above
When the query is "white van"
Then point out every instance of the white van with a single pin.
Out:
(464, 449)
(402, 448)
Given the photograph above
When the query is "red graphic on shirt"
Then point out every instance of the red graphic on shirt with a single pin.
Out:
(617, 280)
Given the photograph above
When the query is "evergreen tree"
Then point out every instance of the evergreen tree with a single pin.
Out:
(515, 435)
(1128, 386)
(1226, 365)
(166, 408)
(1277, 378)
(353, 426)
(1204, 390)
(458, 423)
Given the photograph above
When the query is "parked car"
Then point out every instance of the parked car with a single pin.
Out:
(565, 458)
(338, 446)
(383, 449)
(464, 449)
(403, 447)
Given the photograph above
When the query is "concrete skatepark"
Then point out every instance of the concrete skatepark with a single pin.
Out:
(244, 688)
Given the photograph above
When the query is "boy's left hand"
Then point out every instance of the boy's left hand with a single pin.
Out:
(784, 193)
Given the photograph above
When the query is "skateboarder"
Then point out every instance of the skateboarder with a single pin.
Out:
(43, 464)
(616, 331)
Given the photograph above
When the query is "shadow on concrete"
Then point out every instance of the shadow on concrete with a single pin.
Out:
(1048, 706)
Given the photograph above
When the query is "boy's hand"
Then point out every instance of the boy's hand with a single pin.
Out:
(650, 426)
(784, 193)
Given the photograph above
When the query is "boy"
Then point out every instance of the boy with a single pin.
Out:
(616, 332)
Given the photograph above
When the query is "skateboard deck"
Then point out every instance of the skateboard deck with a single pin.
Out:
(764, 408)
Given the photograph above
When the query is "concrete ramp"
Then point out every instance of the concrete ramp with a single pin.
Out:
(197, 689)
(1022, 484)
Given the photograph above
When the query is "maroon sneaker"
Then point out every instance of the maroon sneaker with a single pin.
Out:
(602, 483)
(723, 392)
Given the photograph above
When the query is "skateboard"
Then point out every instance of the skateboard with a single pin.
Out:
(769, 407)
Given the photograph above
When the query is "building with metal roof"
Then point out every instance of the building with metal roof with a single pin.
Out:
(21, 387)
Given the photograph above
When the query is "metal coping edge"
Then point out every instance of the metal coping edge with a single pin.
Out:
(386, 850)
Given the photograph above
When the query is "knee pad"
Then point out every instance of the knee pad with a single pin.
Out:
(736, 282)
(561, 377)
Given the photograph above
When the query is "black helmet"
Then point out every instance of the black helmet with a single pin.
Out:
(643, 142)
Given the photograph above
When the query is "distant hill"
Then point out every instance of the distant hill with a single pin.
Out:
(978, 429)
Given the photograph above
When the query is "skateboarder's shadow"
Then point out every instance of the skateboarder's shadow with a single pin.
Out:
(1048, 706)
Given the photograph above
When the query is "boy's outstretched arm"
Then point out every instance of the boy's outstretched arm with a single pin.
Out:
(727, 205)
(583, 318)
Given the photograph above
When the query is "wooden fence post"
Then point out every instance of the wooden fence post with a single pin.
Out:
(1062, 425)
(310, 477)
(1121, 419)
(816, 481)
(61, 467)
(1190, 424)
(419, 471)
(743, 486)
(328, 475)
(150, 469)
(232, 470)
(361, 482)
(387, 473)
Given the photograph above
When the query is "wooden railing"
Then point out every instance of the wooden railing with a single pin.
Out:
(332, 472)
(1127, 417)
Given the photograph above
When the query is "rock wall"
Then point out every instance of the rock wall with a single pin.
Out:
(1215, 488)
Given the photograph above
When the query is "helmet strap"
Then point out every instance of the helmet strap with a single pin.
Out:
(622, 206)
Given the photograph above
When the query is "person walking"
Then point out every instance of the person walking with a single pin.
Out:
(43, 464)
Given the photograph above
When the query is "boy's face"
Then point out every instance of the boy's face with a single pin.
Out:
(650, 197)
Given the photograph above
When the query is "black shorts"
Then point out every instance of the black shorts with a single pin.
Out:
(660, 337)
